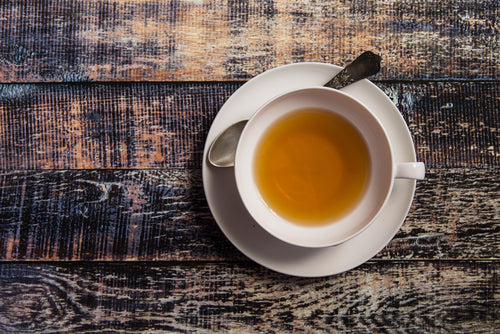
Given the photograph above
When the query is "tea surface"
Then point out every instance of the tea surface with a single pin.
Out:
(311, 166)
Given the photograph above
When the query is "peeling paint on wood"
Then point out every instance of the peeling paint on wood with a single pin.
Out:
(244, 298)
(164, 125)
(452, 123)
(108, 40)
(92, 173)
(163, 215)
(104, 126)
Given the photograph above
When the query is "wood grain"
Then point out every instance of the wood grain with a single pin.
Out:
(107, 126)
(109, 40)
(452, 123)
(163, 215)
(377, 297)
(164, 125)
(104, 226)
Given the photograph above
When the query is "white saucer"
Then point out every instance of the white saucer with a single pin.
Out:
(253, 241)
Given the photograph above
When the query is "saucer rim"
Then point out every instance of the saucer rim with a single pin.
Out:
(353, 89)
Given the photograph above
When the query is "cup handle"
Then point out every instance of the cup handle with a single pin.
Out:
(410, 170)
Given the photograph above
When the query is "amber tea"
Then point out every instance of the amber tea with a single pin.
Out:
(311, 166)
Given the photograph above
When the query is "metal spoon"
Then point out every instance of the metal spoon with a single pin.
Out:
(223, 149)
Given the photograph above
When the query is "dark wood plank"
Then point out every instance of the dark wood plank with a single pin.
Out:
(107, 126)
(451, 208)
(108, 215)
(163, 215)
(377, 297)
(68, 40)
(452, 123)
(164, 125)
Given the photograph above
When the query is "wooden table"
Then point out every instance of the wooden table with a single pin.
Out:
(104, 110)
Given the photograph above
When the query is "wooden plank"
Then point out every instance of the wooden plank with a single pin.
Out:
(451, 208)
(452, 123)
(242, 297)
(107, 40)
(164, 125)
(107, 126)
(163, 215)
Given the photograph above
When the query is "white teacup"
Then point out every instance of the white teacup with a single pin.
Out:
(382, 169)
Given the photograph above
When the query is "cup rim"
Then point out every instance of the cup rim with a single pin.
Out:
(264, 222)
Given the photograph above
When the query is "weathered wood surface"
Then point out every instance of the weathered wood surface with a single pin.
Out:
(107, 126)
(163, 215)
(164, 125)
(93, 173)
(377, 297)
(108, 40)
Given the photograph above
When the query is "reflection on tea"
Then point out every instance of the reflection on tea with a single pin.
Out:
(311, 166)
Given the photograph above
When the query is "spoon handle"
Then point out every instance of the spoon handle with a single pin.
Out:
(365, 65)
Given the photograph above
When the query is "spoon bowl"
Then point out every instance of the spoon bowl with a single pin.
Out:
(223, 150)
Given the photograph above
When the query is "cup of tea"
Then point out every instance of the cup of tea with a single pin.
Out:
(314, 167)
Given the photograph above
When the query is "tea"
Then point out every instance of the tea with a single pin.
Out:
(311, 166)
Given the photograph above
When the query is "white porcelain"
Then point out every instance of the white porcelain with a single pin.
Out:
(255, 242)
(382, 168)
